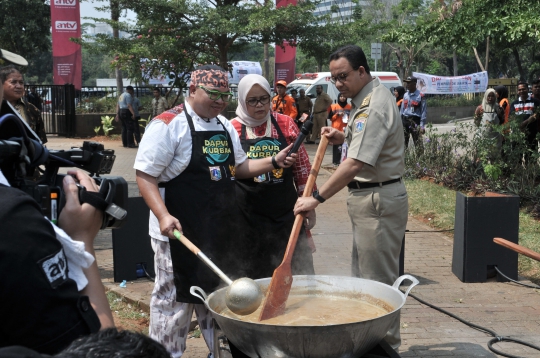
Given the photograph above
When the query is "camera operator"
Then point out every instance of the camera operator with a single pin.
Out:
(52, 288)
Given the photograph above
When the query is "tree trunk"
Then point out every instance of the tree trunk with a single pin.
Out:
(518, 63)
(478, 59)
(455, 63)
(487, 53)
(399, 65)
(115, 16)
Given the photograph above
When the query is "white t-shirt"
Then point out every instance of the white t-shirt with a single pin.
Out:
(165, 151)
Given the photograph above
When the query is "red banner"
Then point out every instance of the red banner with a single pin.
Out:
(67, 61)
(285, 62)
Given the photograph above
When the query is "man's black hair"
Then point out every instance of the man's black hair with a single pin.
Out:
(6, 71)
(129, 88)
(113, 343)
(535, 82)
(211, 67)
(353, 54)
(156, 89)
(523, 83)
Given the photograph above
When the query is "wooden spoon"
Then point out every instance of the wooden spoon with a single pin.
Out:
(280, 285)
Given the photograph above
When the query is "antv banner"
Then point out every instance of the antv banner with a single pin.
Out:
(67, 61)
(285, 60)
(475, 82)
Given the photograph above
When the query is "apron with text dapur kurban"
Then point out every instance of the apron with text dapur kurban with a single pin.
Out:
(202, 198)
(266, 203)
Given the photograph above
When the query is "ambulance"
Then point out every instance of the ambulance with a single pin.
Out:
(309, 82)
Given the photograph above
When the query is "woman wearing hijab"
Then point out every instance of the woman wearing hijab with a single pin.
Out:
(339, 116)
(399, 92)
(266, 202)
(488, 114)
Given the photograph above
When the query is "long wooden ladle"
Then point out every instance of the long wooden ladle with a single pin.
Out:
(280, 285)
(517, 248)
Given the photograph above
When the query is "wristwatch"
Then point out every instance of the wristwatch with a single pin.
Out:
(318, 197)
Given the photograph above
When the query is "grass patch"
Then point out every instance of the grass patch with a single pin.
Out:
(127, 315)
(438, 203)
(432, 201)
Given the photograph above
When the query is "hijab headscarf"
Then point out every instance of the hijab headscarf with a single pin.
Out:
(489, 107)
(502, 91)
(401, 92)
(245, 85)
(342, 104)
(490, 110)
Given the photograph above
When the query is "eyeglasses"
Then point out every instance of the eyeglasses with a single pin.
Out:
(254, 101)
(216, 95)
(15, 82)
(341, 77)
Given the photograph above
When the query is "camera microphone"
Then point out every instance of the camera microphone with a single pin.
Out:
(304, 132)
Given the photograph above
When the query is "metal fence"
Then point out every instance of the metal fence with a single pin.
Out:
(60, 103)
(57, 108)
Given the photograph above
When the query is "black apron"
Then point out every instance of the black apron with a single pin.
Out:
(202, 198)
(266, 203)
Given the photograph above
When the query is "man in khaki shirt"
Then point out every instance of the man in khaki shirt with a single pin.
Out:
(377, 202)
(304, 105)
(320, 112)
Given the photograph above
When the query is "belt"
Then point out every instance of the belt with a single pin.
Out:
(357, 185)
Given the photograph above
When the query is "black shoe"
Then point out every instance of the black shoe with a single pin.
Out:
(133, 146)
(310, 142)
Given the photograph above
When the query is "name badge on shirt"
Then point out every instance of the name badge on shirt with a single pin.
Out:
(215, 173)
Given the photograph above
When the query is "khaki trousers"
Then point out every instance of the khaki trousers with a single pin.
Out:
(379, 218)
(319, 121)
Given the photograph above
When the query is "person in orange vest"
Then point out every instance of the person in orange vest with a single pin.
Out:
(283, 103)
(339, 116)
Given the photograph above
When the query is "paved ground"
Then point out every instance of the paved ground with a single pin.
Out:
(509, 309)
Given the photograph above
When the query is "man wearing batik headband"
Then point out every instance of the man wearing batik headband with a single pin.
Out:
(186, 167)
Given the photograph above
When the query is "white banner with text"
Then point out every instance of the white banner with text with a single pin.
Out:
(429, 84)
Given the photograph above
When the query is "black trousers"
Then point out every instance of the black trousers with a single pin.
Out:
(127, 127)
(336, 154)
(411, 127)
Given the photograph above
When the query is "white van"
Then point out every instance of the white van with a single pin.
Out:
(309, 82)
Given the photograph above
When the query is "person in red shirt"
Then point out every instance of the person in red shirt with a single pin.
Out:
(339, 116)
(266, 201)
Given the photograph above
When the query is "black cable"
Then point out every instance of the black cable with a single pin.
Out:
(514, 281)
(495, 340)
(147, 274)
(430, 230)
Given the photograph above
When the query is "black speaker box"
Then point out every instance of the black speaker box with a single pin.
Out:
(131, 243)
(478, 220)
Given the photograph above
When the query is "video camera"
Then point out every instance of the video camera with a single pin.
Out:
(22, 155)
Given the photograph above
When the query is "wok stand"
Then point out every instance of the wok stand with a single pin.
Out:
(225, 349)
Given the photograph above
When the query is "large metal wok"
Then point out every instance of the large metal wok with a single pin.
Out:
(330, 341)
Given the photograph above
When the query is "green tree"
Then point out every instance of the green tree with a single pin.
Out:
(403, 36)
(494, 25)
(25, 26)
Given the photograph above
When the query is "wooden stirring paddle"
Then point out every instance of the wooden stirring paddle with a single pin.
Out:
(280, 285)
(517, 248)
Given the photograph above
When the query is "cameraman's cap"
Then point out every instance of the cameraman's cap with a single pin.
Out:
(411, 79)
(281, 83)
(12, 58)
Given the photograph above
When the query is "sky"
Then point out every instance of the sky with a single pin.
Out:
(88, 10)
